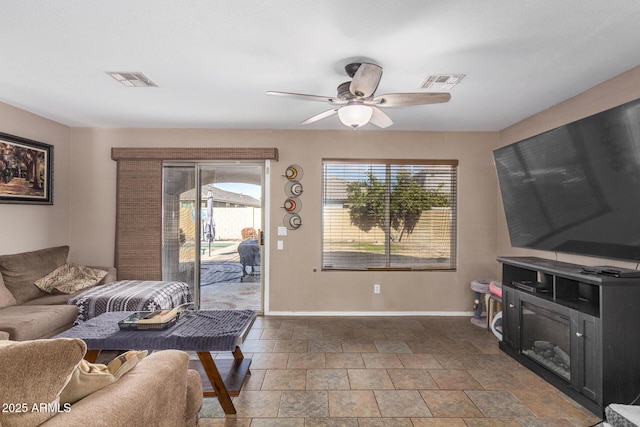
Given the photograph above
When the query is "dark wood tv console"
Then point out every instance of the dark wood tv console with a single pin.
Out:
(603, 318)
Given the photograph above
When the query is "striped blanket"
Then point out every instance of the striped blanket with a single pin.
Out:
(130, 295)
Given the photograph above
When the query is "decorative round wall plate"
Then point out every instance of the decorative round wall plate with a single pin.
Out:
(293, 189)
(294, 172)
(292, 221)
(292, 205)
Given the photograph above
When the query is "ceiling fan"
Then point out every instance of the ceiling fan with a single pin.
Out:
(356, 103)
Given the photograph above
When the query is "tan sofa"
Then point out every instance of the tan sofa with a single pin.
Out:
(26, 312)
(160, 390)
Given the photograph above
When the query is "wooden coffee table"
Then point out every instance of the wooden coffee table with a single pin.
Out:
(201, 331)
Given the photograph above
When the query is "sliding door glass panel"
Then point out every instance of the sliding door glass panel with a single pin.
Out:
(180, 228)
(212, 224)
(231, 222)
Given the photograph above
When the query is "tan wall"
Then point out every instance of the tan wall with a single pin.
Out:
(617, 91)
(31, 227)
(294, 286)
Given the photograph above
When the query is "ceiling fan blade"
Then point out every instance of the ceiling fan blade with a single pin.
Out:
(365, 80)
(320, 116)
(306, 97)
(380, 119)
(413, 98)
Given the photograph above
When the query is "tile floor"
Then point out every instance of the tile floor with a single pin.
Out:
(387, 371)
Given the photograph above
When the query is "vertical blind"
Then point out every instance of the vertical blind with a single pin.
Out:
(389, 215)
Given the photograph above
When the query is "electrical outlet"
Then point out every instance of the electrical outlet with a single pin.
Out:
(376, 288)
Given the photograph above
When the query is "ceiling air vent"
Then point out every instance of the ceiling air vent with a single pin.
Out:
(441, 81)
(132, 79)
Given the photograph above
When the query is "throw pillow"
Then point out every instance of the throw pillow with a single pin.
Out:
(70, 278)
(91, 377)
(6, 297)
(33, 373)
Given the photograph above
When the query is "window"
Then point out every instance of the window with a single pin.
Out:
(389, 215)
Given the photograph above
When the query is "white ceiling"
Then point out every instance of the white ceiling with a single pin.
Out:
(214, 60)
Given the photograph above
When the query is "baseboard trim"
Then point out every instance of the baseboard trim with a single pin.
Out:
(369, 313)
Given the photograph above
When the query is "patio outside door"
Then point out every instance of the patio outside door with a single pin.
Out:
(212, 223)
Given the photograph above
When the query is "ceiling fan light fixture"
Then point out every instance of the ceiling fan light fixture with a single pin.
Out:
(355, 116)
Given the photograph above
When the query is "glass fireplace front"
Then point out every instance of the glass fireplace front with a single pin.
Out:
(545, 338)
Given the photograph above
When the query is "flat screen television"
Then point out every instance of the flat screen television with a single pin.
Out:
(576, 189)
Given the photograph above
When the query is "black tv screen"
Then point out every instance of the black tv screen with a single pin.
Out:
(576, 189)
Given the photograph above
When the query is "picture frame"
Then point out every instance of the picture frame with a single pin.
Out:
(26, 171)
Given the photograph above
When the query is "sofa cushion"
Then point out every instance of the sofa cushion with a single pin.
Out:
(20, 271)
(6, 297)
(91, 377)
(34, 373)
(70, 278)
(30, 322)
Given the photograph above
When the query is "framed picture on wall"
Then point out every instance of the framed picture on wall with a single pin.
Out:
(26, 171)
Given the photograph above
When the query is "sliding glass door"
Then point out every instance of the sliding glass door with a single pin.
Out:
(212, 231)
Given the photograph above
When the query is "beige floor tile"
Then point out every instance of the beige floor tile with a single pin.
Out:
(353, 403)
(254, 381)
(307, 334)
(277, 422)
(401, 403)
(277, 334)
(307, 403)
(401, 334)
(291, 346)
(547, 405)
(269, 360)
(499, 403)
(381, 361)
(545, 422)
(438, 422)
(426, 346)
(344, 360)
(306, 361)
(392, 346)
(457, 361)
(325, 346)
(295, 323)
(254, 403)
(454, 379)
(258, 346)
(331, 422)
(224, 422)
(450, 403)
(285, 379)
(370, 334)
(327, 379)
(492, 422)
(411, 379)
(369, 379)
(340, 333)
(385, 422)
(419, 361)
(264, 322)
(358, 346)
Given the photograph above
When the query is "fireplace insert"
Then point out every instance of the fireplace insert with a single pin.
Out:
(545, 338)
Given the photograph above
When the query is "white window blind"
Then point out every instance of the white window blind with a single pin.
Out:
(389, 215)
